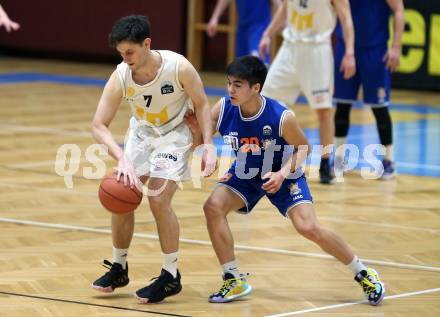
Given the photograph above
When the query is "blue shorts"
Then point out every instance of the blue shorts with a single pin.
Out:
(292, 192)
(248, 39)
(371, 73)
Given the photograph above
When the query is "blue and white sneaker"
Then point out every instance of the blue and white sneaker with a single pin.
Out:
(231, 289)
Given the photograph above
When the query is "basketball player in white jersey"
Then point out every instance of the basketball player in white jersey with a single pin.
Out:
(158, 85)
(304, 62)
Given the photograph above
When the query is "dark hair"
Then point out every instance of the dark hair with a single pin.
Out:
(132, 28)
(249, 68)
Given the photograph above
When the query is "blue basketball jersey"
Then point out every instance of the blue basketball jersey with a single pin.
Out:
(259, 147)
(370, 21)
(253, 12)
(257, 140)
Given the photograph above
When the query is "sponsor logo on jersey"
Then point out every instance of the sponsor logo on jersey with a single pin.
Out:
(166, 88)
(320, 95)
(267, 130)
(169, 156)
(267, 143)
(295, 191)
(297, 197)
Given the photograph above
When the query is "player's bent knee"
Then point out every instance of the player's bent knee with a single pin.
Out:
(158, 203)
(212, 208)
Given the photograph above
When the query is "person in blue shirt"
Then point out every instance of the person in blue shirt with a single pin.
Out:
(270, 148)
(374, 64)
(253, 18)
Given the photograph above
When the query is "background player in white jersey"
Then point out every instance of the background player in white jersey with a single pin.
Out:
(158, 86)
(305, 60)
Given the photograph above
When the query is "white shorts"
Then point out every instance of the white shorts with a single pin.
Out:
(302, 67)
(159, 155)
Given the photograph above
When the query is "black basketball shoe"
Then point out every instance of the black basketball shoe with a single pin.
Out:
(114, 278)
(325, 174)
(163, 286)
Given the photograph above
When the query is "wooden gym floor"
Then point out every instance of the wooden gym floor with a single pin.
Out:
(53, 238)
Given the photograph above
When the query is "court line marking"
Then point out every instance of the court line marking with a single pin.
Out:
(55, 131)
(377, 224)
(105, 158)
(208, 243)
(81, 80)
(92, 304)
(330, 219)
(64, 132)
(311, 310)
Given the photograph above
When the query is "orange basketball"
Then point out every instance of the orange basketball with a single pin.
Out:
(117, 198)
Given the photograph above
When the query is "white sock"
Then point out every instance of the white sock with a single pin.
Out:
(356, 266)
(389, 152)
(120, 256)
(232, 268)
(170, 263)
(340, 143)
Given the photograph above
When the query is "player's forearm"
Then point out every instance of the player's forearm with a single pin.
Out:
(278, 21)
(203, 114)
(3, 14)
(276, 4)
(103, 136)
(399, 24)
(348, 30)
(297, 159)
(219, 9)
(197, 139)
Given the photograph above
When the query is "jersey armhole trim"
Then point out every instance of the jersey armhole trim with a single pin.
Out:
(283, 116)
(220, 115)
(177, 73)
(121, 81)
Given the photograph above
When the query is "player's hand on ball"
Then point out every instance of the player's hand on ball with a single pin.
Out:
(126, 173)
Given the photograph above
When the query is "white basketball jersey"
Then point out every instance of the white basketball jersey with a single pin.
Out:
(311, 21)
(161, 103)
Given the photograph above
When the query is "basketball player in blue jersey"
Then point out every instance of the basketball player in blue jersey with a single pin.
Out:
(263, 134)
(374, 62)
(253, 18)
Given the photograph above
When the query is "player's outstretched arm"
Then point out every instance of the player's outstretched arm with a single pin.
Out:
(191, 121)
(7, 22)
(193, 86)
(220, 7)
(105, 112)
(107, 108)
(348, 63)
(277, 23)
(392, 57)
(295, 137)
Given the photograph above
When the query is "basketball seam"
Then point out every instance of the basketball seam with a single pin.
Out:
(114, 178)
(128, 202)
